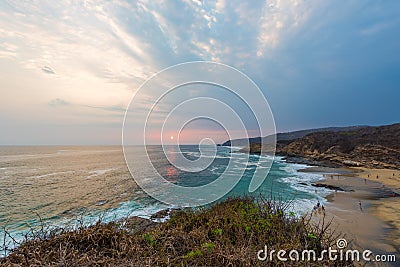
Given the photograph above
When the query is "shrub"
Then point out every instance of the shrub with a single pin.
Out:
(227, 233)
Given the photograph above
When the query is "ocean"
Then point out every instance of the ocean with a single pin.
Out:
(63, 185)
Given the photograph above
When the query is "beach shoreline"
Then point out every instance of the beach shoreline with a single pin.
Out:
(366, 209)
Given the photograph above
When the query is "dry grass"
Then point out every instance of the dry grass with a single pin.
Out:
(228, 233)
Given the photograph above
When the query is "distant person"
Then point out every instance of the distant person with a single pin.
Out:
(377, 176)
(318, 204)
(315, 208)
(359, 203)
(365, 180)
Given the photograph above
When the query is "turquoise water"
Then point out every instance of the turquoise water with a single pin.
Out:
(283, 182)
(62, 184)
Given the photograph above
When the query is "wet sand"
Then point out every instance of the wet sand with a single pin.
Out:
(388, 207)
(368, 212)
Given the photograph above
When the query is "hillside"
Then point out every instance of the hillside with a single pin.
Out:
(377, 147)
(288, 135)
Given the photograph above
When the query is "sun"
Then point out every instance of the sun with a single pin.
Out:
(172, 137)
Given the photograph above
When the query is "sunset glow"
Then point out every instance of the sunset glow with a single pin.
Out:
(77, 64)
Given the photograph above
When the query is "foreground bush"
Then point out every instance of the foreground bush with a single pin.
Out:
(228, 233)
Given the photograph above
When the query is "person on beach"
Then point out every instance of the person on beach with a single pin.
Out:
(318, 204)
(359, 203)
(315, 208)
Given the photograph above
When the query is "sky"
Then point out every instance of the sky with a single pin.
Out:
(68, 69)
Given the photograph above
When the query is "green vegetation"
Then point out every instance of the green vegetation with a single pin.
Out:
(228, 233)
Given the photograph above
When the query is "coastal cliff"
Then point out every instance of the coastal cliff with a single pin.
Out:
(369, 146)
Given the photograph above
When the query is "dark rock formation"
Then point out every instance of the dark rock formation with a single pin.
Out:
(374, 147)
(367, 146)
(327, 186)
(163, 214)
(137, 224)
(289, 136)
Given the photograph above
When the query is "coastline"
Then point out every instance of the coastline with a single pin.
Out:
(367, 211)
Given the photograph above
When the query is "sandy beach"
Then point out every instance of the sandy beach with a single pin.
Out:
(367, 212)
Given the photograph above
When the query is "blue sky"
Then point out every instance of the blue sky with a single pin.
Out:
(68, 69)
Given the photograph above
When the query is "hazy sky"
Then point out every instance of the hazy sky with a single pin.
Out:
(68, 69)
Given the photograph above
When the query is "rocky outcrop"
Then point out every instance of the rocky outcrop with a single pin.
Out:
(137, 224)
(256, 148)
(164, 214)
(282, 137)
(373, 147)
(330, 187)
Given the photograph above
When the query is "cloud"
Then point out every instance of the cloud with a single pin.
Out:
(98, 52)
(7, 50)
(278, 19)
(82, 36)
(376, 28)
(113, 108)
(58, 102)
(48, 70)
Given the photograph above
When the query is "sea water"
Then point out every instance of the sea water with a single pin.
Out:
(62, 185)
